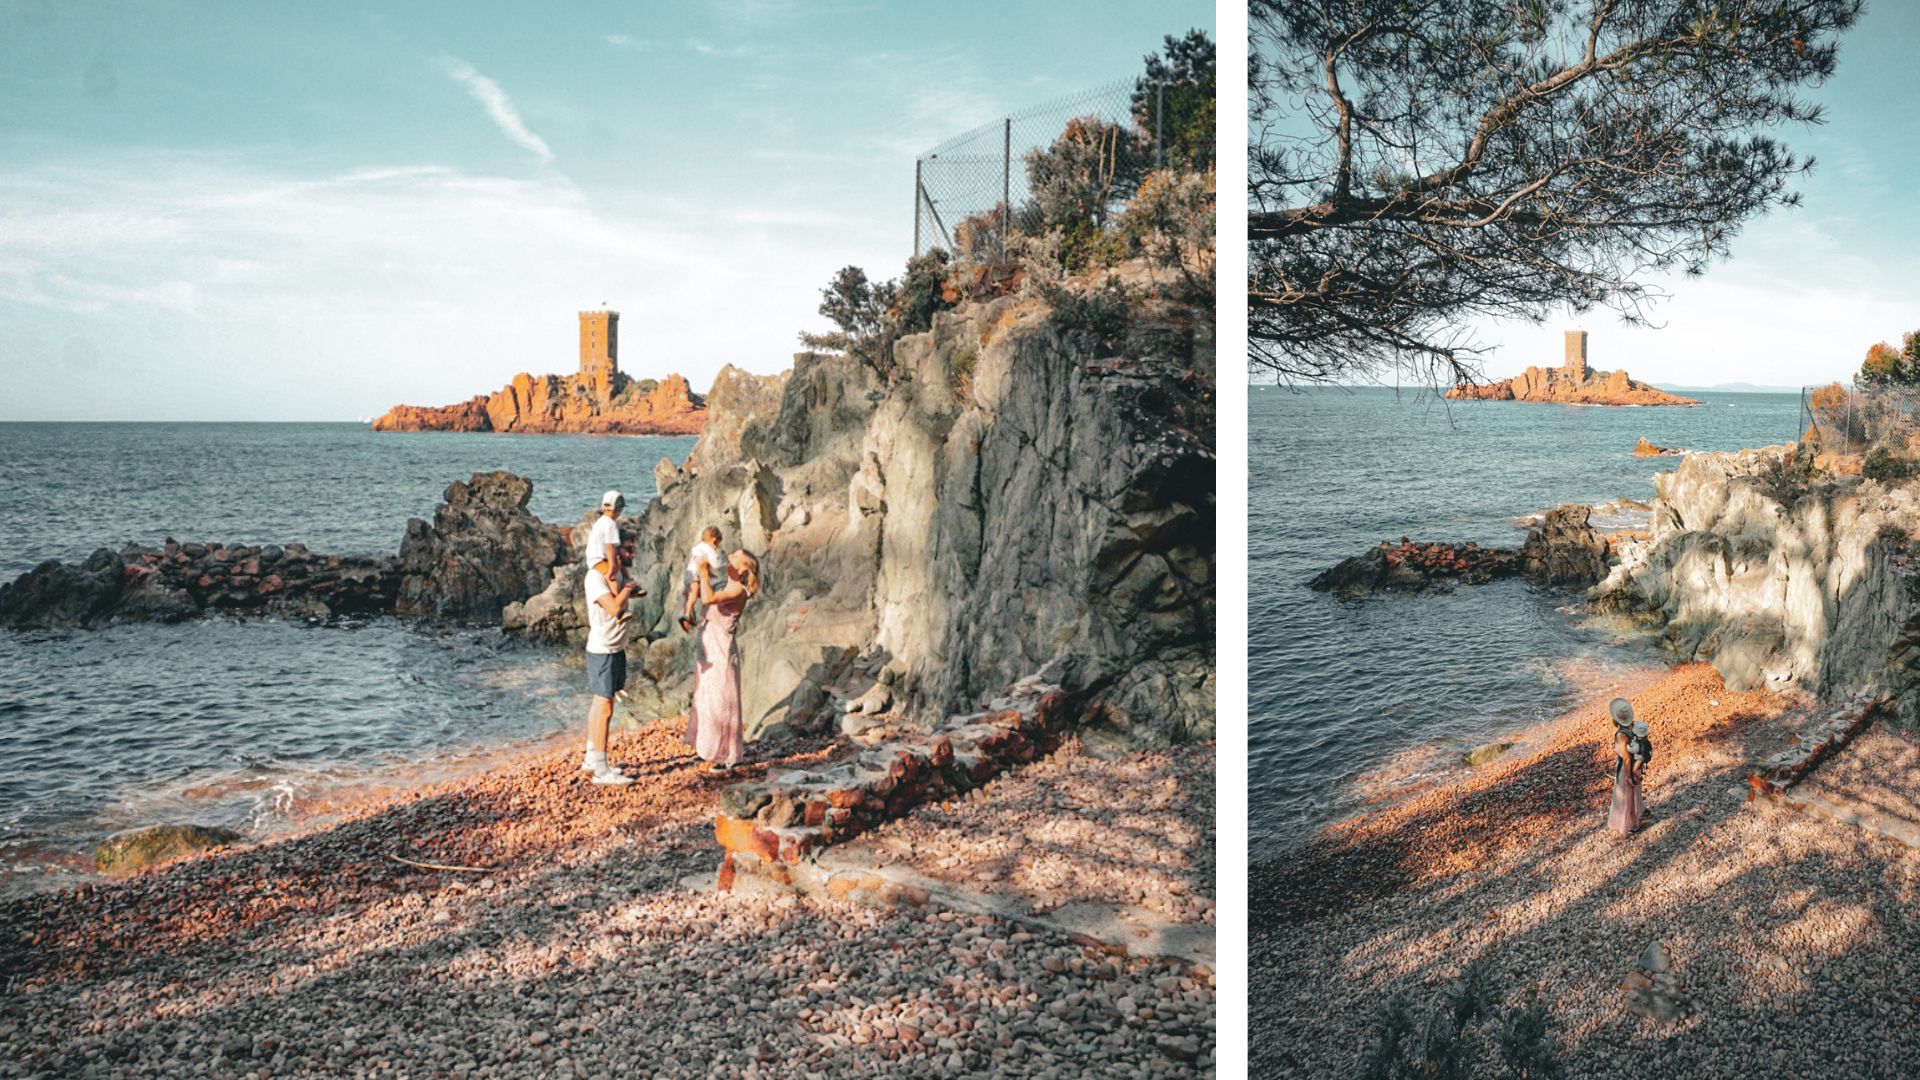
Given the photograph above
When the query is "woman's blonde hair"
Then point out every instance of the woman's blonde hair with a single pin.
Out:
(753, 571)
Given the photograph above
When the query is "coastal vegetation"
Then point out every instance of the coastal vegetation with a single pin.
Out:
(1463, 1035)
(1417, 167)
(1096, 200)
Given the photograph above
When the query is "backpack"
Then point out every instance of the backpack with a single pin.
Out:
(1642, 749)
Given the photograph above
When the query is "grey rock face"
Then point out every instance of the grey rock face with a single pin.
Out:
(483, 551)
(1780, 582)
(54, 594)
(1564, 549)
(950, 536)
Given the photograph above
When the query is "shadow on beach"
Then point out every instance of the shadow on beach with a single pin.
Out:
(581, 952)
(1785, 928)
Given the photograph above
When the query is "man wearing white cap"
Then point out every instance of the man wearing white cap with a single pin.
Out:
(608, 592)
(606, 531)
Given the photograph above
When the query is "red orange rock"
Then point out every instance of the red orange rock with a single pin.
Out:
(1558, 385)
(562, 404)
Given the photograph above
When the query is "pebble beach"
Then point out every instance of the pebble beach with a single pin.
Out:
(569, 943)
(1792, 936)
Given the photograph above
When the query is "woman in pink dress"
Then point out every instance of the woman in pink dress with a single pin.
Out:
(714, 727)
(1624, 815)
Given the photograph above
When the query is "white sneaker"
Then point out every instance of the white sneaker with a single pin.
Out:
(608, 776)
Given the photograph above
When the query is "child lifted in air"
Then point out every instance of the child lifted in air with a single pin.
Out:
(705, 554)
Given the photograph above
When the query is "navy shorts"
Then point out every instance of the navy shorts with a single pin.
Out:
(606, 673)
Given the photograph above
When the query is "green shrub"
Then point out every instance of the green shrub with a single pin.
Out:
(1883, 464)
(1462, 1036)
(960, 367)
(870, 318)
(1184, 70)
(1101, 315)
(1171, 221)
(1091, 168)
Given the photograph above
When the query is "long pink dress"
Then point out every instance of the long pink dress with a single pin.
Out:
(714, 729)
(1624, 816)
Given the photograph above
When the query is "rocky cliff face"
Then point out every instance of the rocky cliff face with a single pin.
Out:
(557, 404)
(1562, 386)
(1778, 579)
(1015, 500)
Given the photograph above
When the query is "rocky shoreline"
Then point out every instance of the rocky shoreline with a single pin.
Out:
(578, 951)
(482, 550)
(1730, 935)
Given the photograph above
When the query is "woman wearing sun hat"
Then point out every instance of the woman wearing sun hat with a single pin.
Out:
(1628, 736)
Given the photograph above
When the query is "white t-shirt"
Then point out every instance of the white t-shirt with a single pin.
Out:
(704, 552)
(605, 534)
(606, 634)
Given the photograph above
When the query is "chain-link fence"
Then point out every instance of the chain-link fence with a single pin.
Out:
(1852, 418)
(980, 174)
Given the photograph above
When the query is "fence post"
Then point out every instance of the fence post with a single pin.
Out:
(916, 206)
(1006, 183)
(1159, 113)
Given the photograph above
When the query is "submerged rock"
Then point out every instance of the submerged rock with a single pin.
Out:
(1480, 755)
(1412, 566)
(135, 848)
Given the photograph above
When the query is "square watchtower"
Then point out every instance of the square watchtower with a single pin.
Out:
(1576, 354)
(600, 349)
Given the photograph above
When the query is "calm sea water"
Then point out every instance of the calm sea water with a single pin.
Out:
(1343, 691)
(259, 724)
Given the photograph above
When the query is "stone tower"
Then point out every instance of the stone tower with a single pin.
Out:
(600, 349)
(1576, 355)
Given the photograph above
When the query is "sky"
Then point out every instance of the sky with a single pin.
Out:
(1806, 290)
(223, 211)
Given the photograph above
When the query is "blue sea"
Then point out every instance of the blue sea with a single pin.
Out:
(1351, 698)
(260, 724)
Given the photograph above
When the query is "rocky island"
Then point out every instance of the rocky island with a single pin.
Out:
(599, 400)
(1571, 384)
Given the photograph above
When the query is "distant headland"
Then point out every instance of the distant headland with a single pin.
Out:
(1572, 384)
(599, 400)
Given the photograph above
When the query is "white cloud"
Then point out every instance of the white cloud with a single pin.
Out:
(708, 48)
(499, 107)
(627, 41)
(217, 290)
